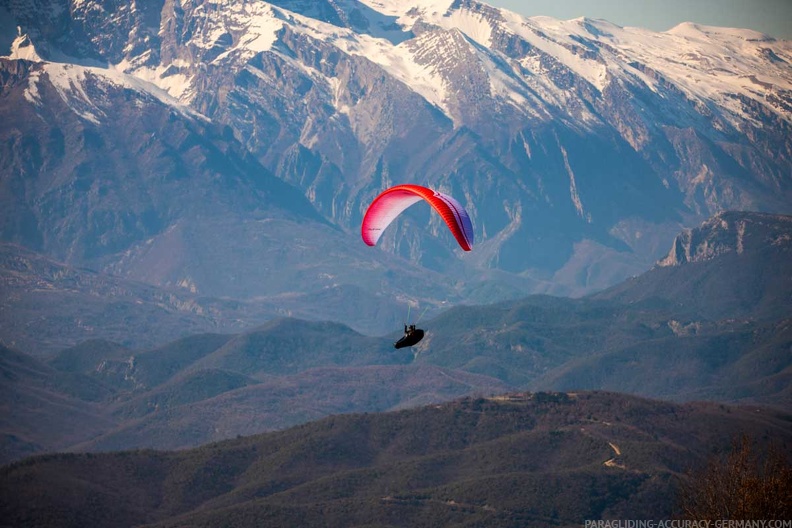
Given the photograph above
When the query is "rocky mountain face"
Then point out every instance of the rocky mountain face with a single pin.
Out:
(733, 266)
(731, 232)
(168, 199)
(231, 148)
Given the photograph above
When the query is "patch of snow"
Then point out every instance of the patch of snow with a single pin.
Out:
(167, 78)
(141, 85)
(553, 37)
(69, 81)
(31, 93)
(397, 60)
(573, 192)
(707, 63)
(335, 89)
(474, 25)
(740, 237)
(262, 31)
(424, 8)
(700, 31)
(252, 26)
(379, 24)
(23, 48)
(510, 83)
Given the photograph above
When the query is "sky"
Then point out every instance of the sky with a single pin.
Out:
(773, 17)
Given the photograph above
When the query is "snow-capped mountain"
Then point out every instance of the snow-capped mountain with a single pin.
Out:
(579, 147)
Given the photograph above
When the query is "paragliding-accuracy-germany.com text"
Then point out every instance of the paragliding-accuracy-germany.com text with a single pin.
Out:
(677, 523)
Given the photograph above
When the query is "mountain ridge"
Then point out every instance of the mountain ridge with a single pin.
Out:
(727, 342)
(521, 458)
(683, 275)
(587, 140)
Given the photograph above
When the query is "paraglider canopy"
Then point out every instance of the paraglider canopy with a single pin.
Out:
(391, 202)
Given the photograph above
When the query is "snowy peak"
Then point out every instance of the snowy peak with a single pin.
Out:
(23, 48)
(321, 10)
(411, 9)
(576, 131)
(350, 14)
(693, 31)
(88, 91)
(533, 61)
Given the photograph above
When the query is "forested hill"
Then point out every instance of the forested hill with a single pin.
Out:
(543, 459)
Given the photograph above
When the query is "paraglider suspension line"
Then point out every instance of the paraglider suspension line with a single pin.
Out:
(422, 314)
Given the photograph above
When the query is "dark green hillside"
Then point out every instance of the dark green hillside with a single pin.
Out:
(23, 371)
(288, 346)
(85, 357)
(184, 389)
(42, 409)
(211, 387)
(726, 361)
(547, 459)
(519, 340)
(48, 306)
(160, 364)
(121, 369)
(166, 420)
(545, 343)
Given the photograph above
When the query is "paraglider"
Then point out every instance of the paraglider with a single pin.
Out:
(411, 337)
(391, 203)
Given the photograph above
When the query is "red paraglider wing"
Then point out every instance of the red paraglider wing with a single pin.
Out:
(391, 202)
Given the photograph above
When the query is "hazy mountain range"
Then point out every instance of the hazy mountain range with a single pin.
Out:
(229, 149)
(710, 322)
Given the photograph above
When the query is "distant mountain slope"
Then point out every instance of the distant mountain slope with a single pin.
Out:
(545, 343)
(735, 265)
(127, 370)
(131, 183)
(643, 337)
(519, 460)
(202, 407)
(105, 187)
(102, 396)
(87, 356)
(46, 410)
(46, 305)
(286, 346)
(714, 325)
(728, 285)
(699, 361)
(578, 146)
